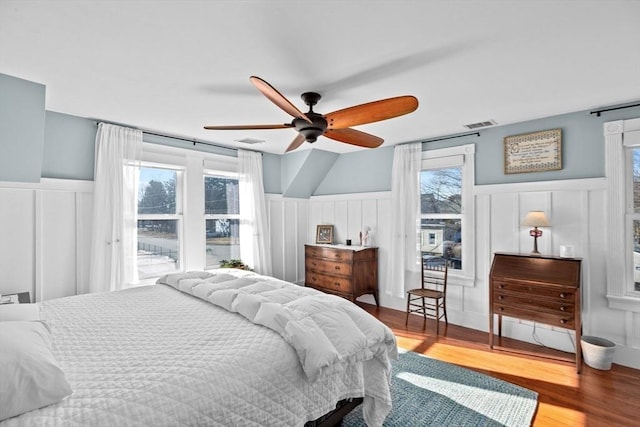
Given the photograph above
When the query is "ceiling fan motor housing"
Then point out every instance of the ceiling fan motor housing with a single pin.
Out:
(311, 131)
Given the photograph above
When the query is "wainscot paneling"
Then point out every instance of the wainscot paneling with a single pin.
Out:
(46, 237)
(576, 211)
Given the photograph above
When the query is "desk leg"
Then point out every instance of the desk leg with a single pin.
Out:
(500, 325)
(491, 330)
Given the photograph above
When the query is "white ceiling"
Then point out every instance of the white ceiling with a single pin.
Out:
(175, 66)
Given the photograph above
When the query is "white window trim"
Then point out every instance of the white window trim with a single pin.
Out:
(446, 157)
(195, 165)
(620, 294)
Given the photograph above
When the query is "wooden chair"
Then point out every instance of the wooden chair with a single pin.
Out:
(430, 299)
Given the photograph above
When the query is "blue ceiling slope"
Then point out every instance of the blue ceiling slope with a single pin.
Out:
(303, 171)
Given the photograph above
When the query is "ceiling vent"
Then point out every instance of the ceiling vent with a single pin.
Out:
(481, 124)
(250, 141)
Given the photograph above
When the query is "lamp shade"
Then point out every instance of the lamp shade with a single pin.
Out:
(536, 219)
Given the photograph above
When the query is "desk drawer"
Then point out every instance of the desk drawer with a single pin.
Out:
(564, 320)
(562, 293)
(562, 307)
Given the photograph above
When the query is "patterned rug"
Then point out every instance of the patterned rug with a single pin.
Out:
(428, 392)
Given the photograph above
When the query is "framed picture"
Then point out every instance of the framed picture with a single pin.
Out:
(533, 152)
(324, 234)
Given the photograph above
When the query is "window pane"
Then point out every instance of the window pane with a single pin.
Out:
(223, 241)
(441, 190)
(636, 179)
(158, 249)
(440, 240)
(221, 195)
(157, 191)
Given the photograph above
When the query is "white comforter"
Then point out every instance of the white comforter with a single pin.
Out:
(152, 356)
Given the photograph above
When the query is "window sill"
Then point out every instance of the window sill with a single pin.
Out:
(626, 303)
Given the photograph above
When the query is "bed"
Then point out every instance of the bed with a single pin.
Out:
(220, 348)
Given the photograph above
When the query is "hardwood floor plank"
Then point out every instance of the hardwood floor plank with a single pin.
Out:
(566, 399)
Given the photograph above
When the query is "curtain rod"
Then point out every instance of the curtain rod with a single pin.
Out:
(603, 110)
(193, 141)
(451, 137)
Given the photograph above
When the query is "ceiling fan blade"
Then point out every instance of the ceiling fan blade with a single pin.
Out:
(354, 137)
(277, 98)
(371, 112)
(249, 127)
(296, 143)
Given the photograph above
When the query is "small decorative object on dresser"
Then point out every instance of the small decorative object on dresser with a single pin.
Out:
(345, 271)
(18, 298)
(543, 289)
(324, 234)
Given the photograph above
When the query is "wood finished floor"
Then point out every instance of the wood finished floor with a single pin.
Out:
(592, 398)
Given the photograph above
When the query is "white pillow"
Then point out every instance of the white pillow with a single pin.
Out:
(30, 377)
(19, 312)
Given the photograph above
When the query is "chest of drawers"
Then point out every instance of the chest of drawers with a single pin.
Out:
(541, 289)
(342, 271)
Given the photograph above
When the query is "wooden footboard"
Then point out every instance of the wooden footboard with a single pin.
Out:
(334, 418)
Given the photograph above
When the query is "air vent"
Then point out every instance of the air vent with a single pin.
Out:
(250, 141)
(481, 124)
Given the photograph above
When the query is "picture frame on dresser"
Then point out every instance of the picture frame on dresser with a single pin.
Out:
(324, 234)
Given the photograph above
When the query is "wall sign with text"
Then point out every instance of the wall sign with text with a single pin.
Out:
(533, 152)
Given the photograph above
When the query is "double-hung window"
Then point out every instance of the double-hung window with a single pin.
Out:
(446, 208)
(159, 220)
(222, 217)
(622, 149)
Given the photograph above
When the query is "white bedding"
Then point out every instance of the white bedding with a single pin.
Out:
(154, 356)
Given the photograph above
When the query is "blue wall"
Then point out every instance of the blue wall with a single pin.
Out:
(22, 129)
(36, 143)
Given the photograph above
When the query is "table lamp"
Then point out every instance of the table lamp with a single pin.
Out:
(535, 219)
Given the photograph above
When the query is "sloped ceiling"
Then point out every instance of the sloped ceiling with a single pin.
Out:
(175, 66)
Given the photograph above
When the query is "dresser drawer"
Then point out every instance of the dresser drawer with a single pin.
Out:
(328, 253)
(331, 283)
(329, 267)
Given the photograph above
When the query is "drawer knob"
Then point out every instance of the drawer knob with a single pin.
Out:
(337, 268)
(563, 321)
(563, 308)
(501, 286)
(337, 284)
(562, 295)
(501, 309)
(500, 297)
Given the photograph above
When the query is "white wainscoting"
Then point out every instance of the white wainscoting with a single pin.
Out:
(576, 210)
(45, 237)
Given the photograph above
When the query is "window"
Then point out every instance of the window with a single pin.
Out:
(446, 208)
(634, 178)
(159, 221)
(622, 151)
(222, 218)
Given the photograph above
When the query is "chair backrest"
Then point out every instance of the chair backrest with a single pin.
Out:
(434, 274)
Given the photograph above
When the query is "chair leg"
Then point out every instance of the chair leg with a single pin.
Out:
(406, 321)
(444, 309)
(437, 319)
(424, 315)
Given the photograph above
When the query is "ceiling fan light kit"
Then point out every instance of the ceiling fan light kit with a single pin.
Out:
(335, 125)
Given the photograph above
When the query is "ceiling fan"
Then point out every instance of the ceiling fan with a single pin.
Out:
(335, 125)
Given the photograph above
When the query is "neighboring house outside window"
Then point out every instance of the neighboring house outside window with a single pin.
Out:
(446, 207)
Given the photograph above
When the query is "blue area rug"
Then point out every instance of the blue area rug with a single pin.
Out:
(428, 392)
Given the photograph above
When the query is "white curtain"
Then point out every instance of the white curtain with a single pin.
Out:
(114, 237)
(255, 246)
(404, 256)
